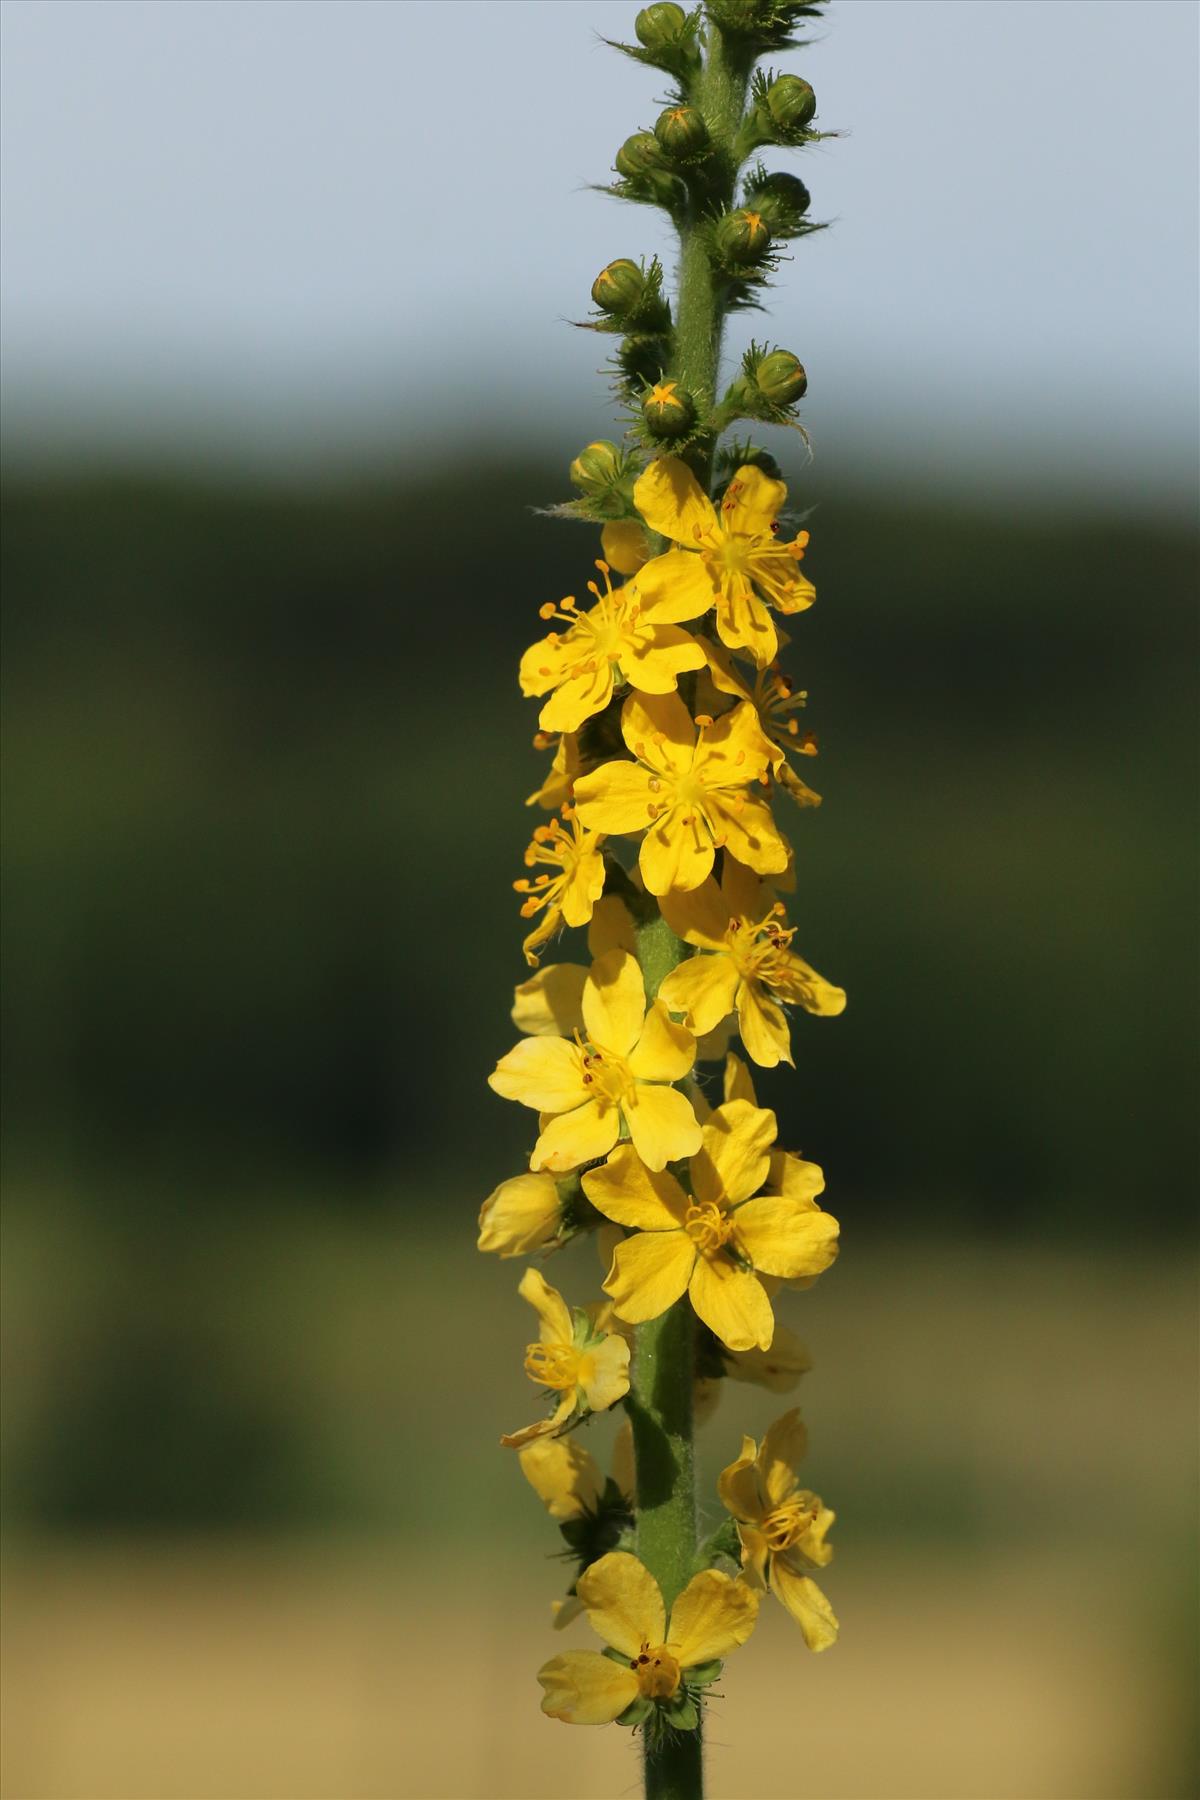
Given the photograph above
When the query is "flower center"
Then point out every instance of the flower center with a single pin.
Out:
(557, 849)
(787, 1524)
(552, 1365)
(657, 1672)
(708, 1227)
(760, 952)
(605, 1075)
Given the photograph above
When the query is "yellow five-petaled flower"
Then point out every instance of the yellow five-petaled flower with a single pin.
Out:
(624, 637)
(727, 559)
(624, 1604)
(751, 969)
(615, 1077)
(718, 1242)
(586, 1368)
(687, 790)
(782, 1526)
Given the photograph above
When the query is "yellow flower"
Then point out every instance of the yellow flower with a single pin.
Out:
(568, 764)
(622, 638)
(727, 559)
(568, 897)
(520, 1216)
(777, 1369)
(614, 1078)
(550, 1003)
(588, 1371)
(719, 1242)
(567, 1479)
(782, 1526)
(624, 1604)
(687, 791)
(751, 969)
(774, 697)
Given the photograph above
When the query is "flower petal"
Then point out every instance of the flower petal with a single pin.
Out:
(733, 750)
(623, 1601)
(662, 1124)
(785, 1238)
(810, 990)
(747, 830)
(557, 1326)
(578, 698)
(702, 989)
(675, 587)
(763, 1027)
(576, 1137)
(778, 1368)
(796, 1179)
(806, 1603)
(624, 1190)
(648, 1274)
(735, 1156)
(584, 1688)
(700, 916)
(732, 1302)
(658, 729)
(565, 1477)
(738, 1485)
(614, 797)
(545, 664)
(612, 928)
(664, 1051)
(542, 1072)
(780, 1454)
(614, 1002)
(624, 545)
(623, 1472)
(659, 659)
(743, 623)
(550, 1003)
(604, 1373)
(739, 1085)
(677, 852)
(672, 502)
(713, 1615)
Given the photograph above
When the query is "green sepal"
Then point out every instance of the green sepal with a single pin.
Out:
(723, 1542)
(681, 1712)
(763, 24)
(704, 1674)
(637, 1712)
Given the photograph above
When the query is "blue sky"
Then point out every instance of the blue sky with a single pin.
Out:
(317, 229)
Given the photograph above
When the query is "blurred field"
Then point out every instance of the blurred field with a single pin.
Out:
(1008, 1439)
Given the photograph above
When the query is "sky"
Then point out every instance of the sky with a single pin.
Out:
(310, 231)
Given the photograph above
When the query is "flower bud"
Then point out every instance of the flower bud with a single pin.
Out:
(520, 1216)
(619, 287)
(639, 157)
(782, 200)
(668, 409)
(661, 26)
(597, 467)
(790, 103)
(780, 378)
(643, 356)
(682, 133)
(742, 236)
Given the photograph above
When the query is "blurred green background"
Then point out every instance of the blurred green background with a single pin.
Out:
(270, 555)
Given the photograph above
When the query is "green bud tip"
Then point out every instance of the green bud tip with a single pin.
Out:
(743, 236)
(619, 287)
(791, 102)
(660, 27)
(780, 378)
(596, 467)
(668, 409)
(682, 132)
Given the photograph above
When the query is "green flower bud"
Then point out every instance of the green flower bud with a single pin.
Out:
(640, 157)
(742, 236)
(619, 288)
(782, 200)
(780, 378)
(791, 103)
(597, 467)
(682, 133)
(643, 356)
(668, 409)
(660, 27)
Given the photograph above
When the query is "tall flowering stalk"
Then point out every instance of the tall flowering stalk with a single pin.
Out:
(675, 751)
